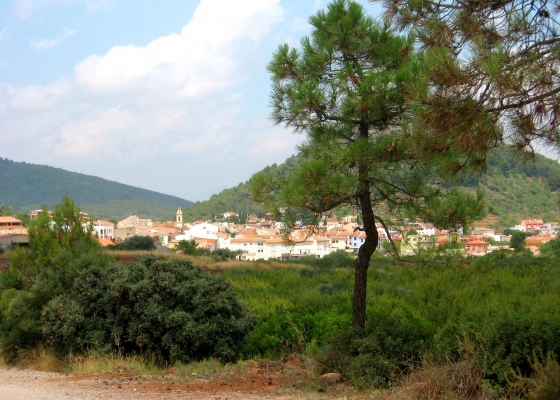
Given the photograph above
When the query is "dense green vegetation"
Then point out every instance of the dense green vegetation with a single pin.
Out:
(136, 242)
(497, 312)
(27, 186)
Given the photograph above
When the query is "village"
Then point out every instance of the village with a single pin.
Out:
(261, 239)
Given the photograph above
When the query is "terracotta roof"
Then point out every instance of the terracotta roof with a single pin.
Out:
(165, 229)
(275, 240)
(101, 222)
(532, 221)
(476, 242)
(9, 219)
(247, 239)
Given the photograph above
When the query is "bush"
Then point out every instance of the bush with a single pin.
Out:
(292, 330)
(336, 259)
(393, 338)
(225, 254)
(514, 340)
(136, 242)
(551, 249)
(24, 295)
(168, 310)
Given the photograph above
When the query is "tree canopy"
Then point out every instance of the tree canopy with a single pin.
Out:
(517, 241)
(136, 242)
(345, 90)
(490, 73)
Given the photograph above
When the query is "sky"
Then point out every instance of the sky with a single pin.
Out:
(170, 96)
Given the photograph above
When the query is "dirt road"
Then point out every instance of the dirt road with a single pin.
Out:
(33, 385)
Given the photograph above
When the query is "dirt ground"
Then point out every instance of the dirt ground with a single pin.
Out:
(264, 380)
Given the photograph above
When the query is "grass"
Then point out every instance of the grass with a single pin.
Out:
(40, 358)
(95, 363)
(206, 263)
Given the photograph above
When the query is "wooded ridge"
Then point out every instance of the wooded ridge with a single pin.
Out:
(26, 186)
(513, 189)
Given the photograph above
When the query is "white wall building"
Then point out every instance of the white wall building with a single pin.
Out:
(104, 229)
(204, 230)
(261, 248)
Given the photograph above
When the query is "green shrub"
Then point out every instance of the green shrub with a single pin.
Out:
(330, 288)
(167, 310)
(292, 330)
(336, 259)
(394, 338)
(225, 254)
(11, 280)
(551, 249)
(136, 242)
(514, 340)
(25, 294)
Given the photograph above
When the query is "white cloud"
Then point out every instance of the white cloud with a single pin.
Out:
(50, 43)
(34, 97)
(204, 58)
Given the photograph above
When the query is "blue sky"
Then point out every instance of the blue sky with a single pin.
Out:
(167, 95)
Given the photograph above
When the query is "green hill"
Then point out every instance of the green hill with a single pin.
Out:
(514, 190)
(26, 186)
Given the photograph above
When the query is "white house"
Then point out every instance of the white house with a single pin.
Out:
(104, 229)
(358, 238)
(262, 248)
(203, 230)
(549, 228)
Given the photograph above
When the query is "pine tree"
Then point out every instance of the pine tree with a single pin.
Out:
(345, 90)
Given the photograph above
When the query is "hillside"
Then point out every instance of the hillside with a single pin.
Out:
(26, 186)
(514, 190)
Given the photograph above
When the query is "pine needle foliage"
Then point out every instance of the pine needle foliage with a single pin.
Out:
(490, 73)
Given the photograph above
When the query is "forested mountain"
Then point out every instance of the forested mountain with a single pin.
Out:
(26, 186)
(514, 189)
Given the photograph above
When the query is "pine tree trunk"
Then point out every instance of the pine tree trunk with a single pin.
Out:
(364, 255)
